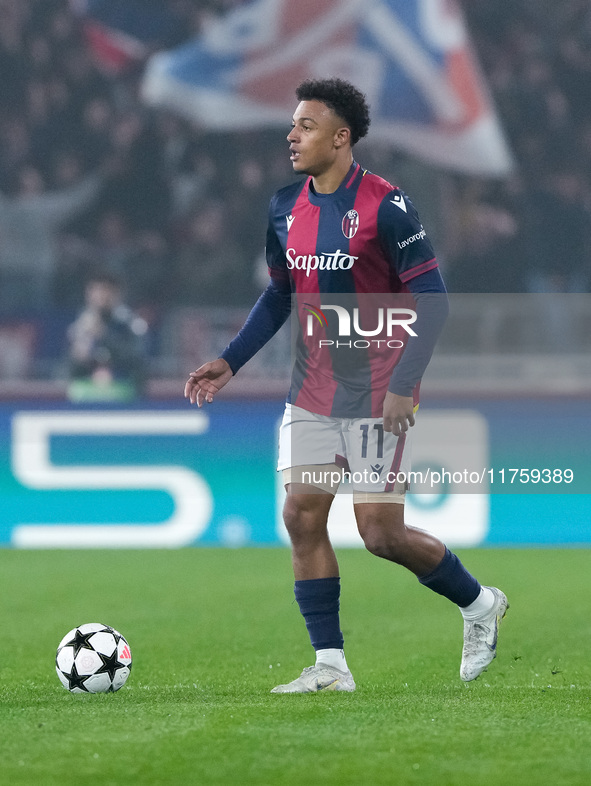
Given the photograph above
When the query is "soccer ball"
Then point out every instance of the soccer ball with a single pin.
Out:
(93, 658)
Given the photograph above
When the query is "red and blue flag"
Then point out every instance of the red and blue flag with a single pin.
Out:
(122, 33)
(412, 58)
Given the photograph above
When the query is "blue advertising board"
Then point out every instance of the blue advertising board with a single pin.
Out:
(167, 475)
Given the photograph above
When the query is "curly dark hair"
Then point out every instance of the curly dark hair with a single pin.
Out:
(343, 98)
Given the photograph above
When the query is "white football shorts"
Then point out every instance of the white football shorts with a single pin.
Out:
(323, 451)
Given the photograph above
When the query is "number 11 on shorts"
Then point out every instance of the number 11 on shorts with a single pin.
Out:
(364, 439)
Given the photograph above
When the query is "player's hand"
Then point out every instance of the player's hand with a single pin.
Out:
(204, 383)
(398, 413)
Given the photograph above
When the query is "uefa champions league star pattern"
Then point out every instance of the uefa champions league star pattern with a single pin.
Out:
(93, 658)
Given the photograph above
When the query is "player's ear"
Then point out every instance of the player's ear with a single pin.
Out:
(342, 137)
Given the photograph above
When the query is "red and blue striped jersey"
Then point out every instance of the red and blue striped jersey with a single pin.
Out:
(364, 239)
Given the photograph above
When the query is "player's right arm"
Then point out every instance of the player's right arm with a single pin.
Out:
(207, 380)
(268, 315)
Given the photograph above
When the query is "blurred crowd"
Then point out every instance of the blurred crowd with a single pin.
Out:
(531, 232)
(92, 181)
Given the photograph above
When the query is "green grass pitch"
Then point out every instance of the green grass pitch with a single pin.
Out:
(212, 631)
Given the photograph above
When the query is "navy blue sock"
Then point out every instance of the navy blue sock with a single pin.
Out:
(318, 600)
(451, 579)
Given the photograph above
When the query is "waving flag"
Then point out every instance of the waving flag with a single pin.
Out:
(412, 58)
(121, 34)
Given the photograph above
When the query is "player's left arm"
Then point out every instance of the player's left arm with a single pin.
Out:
(432, 309)
(412, 254)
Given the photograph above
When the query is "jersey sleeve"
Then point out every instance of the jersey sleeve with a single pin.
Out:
(271, 309)
(267, 316)
(432, 308)
(403, 237)
(276, 261)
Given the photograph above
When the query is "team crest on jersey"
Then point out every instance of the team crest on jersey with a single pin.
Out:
(350, 223)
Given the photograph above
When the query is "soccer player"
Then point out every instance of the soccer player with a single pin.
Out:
(344, 230)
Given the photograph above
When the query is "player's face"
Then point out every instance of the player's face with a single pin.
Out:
(314, 138)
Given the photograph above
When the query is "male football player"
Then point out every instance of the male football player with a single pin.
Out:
(344, 230)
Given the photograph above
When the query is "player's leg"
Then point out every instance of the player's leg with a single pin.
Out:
(317, 585)
(380, 465)
(305, 514)
(386, 535)
(379, 509)
(310, 492)
(308, 444)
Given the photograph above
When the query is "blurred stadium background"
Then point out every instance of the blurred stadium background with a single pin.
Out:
(133, 143)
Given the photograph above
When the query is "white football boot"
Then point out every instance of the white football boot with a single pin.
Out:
(317, 678)
(480, 638)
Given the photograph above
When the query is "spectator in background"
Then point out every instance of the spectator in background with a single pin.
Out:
(107, 346)
(29, 222)
(97, 116)
(211, 268)
(139, 188)
(13, 66)
(488, 252)
(558, 222)
(147, 269)
(250, 190)
(113, 243)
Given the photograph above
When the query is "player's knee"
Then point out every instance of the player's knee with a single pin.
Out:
(387, 545)
(303, 521)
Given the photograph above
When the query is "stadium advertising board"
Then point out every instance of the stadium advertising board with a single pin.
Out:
(169, 475)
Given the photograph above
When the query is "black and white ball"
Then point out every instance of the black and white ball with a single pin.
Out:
(93, 658)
